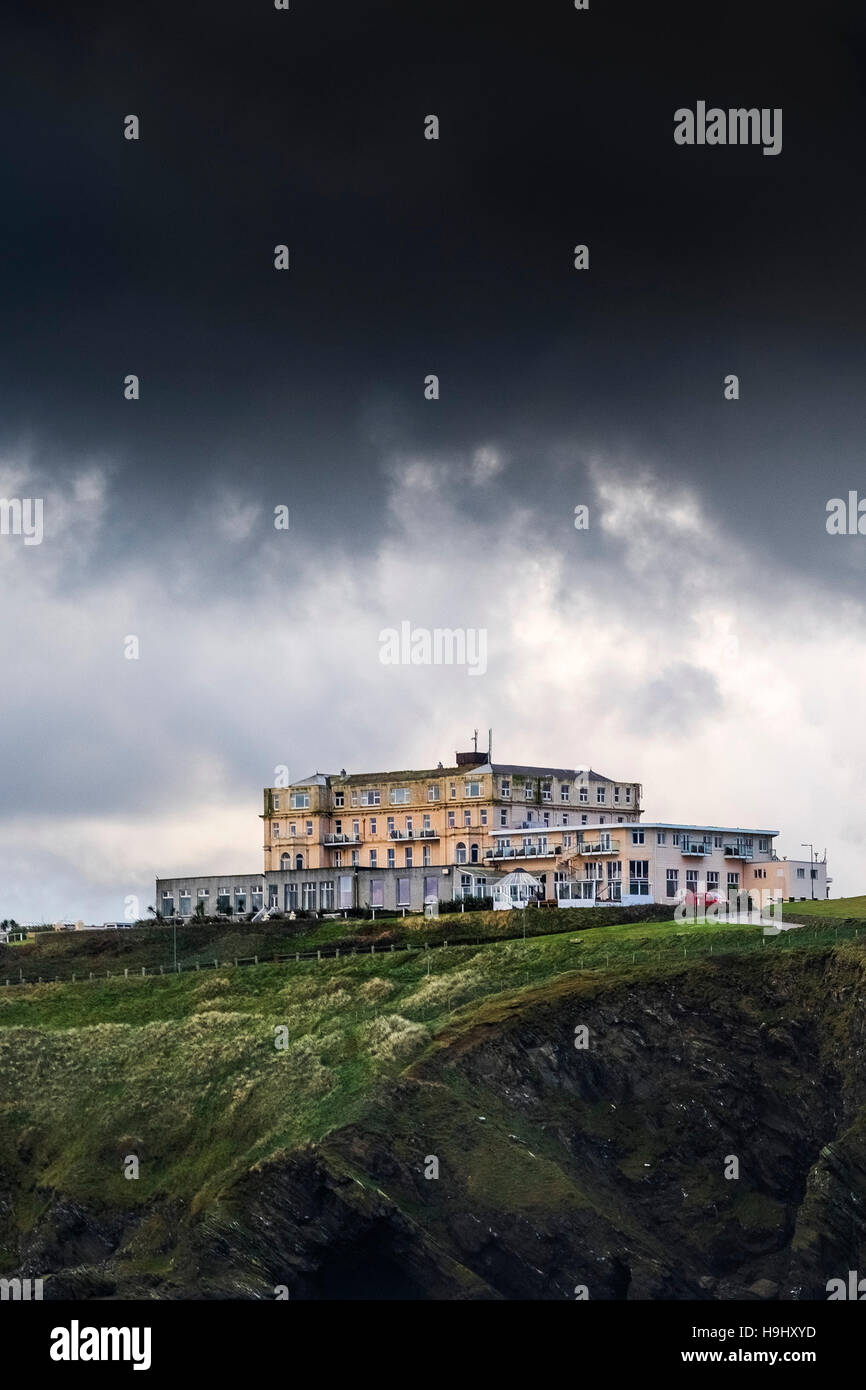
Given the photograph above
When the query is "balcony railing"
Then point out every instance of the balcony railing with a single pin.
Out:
(527, 852)
(696, 847)
(413, 835)
(342, 839)
(596, 847)
(738, 851)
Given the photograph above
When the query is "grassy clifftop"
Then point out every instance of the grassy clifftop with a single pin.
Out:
(464, 1053)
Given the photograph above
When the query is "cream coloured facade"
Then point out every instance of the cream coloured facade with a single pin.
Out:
(473, 812)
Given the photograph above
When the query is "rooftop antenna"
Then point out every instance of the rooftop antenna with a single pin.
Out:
(490, 745)
(475, 740)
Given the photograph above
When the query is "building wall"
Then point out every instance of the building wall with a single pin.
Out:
(321, 890)
(436, 816)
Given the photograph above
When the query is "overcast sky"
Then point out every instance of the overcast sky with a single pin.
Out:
(705, 635)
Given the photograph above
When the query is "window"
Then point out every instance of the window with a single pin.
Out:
(638, 872)
(285, 861)
(452, 820)
(675, 839)
(583, 820)
(392, 859)
(374, 859)
(813, 873)
(185, 904)
(565, 818)
(377, 892)
(276, 803)
(717, 842)
(369, 798)
(546, 794)
(299, 801)
(299, 861)
(467, 817)
(473, 854)
(599, 795)
(204, 892)
(356, 829)
(403, 886)
(692, 880)
(505, 787)
(733, 879)
(628, 793)
(308, 896)
(426, 855)
(801, 873)
(712, 879)
(503, 818)
(452, 790)
(356, 856)
(672, 882)
(583, 794)
(338, 827)
(372, 825)
(346, 891)
(546, 818)
(309, 827)
(240, 900)
(425, 823)
(399, 796)
(293, 829)
(661, 837)
(431, 888)
(338, 858)
(290, 897)
(409, 824)
(390, 823)
(433, 793)
(273, 897)
(564, 791)
(763, 845)
(223, 900)
(637, 837)
(483, 815)
(339, 799)
(408, 856)
(472, 789)
(616, 793)
(326, 895)
(461, 852)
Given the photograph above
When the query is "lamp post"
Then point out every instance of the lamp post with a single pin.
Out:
(806, 844)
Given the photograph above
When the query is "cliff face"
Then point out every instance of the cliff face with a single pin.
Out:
(708, 1142)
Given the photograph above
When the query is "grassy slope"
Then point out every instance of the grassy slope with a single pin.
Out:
(183, 1072)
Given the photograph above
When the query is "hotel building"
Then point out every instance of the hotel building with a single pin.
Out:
(401, 839)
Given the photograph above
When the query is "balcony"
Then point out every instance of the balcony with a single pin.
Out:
(527, 852)
(695, 847)
(341, 839)
(738, 851)
(597, 847)
(413, 835)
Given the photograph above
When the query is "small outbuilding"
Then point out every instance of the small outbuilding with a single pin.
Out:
(516, 890)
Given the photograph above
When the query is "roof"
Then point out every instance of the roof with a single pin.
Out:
(357, 779)
(713, 829)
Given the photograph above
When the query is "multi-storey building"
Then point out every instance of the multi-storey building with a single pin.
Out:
(436, 817)
(402, 839)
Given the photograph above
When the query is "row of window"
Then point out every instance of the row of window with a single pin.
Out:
(401, 796)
